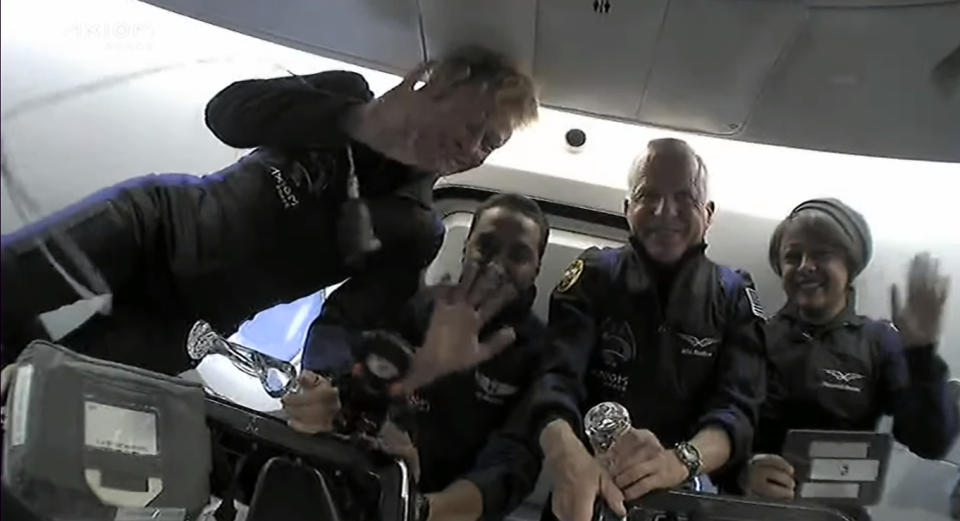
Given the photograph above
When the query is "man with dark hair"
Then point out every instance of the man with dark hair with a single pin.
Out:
(339, 188)
(518, 204)
(659, 328)
(475, 460)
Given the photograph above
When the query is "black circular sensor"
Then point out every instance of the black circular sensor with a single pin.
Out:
(576, 137)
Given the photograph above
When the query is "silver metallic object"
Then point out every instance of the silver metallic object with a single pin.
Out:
(604, 423)
(278, 377)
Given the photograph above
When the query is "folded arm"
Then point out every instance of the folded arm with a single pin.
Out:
(286, 112)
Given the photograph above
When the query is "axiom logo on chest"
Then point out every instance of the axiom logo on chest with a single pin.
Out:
(617, 343)
(697, 346)
(493, 391)
(280, 184)
(611, 380)
(841, 380)
(418, 403)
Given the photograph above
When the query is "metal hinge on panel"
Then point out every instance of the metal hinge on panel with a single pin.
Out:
(601, 6)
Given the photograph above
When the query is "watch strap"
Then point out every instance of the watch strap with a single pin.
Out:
(690, 457)
(422, 507)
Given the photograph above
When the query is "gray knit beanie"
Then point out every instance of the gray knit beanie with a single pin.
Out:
(850, 221)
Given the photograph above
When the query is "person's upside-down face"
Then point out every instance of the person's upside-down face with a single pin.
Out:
(472, 107)
(472, 126)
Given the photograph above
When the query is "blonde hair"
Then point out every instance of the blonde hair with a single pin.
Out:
(515, 92)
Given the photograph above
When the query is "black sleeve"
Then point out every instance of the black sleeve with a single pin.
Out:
(111, 245)
(506, 468)
(371, 298)
(154, 242)
(571, 333)
(768, 436)
(332, 339)
(369, 301)
(771, 427)
(93, 245)
(286, 112)
(328, 349)
(741, 374)
(20, 333)
(914, 391)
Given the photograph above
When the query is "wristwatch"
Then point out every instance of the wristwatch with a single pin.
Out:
(689, 455)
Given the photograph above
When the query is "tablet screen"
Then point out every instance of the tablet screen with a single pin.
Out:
(842, 467)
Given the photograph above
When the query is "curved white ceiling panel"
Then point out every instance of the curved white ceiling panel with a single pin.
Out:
(851, 76)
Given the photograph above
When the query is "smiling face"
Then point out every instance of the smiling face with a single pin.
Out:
(475, 100)
(667, 206)
(814, 264)
(508, 238)
(472, 127)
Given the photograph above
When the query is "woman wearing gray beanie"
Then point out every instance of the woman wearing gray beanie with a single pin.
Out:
(833, 369)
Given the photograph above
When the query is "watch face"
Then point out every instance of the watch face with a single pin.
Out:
(381, 367)
(688, 455)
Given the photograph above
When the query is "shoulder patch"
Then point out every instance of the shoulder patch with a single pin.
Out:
(754, 300)
(570, 276)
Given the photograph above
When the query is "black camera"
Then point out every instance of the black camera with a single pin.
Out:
(383, 358)
(575, 138)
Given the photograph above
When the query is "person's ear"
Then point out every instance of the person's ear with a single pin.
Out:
(710, 208)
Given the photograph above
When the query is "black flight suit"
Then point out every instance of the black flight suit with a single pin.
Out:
(467, 425)
(680, 349)
(845, 375)
(174, 248)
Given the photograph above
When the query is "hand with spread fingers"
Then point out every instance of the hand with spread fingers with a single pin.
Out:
(920, 319)
(639, 464)
(452, 342)
(313, 408)
(420, 122)
(770, 476)
(579, 481)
